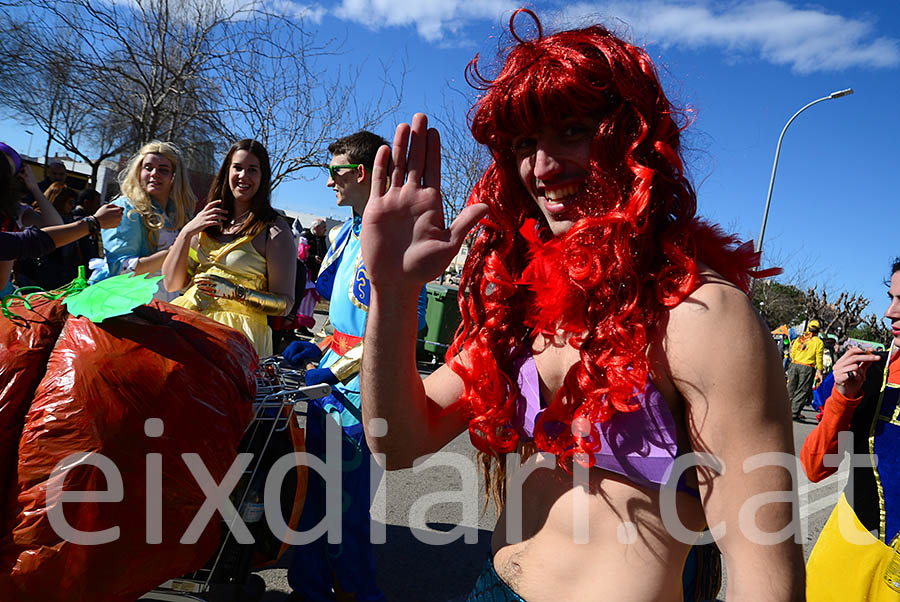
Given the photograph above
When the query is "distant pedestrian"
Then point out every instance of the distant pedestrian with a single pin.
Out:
(318, 247)
(805, 371)
(88, 202)
(829, 356)
(56, 172)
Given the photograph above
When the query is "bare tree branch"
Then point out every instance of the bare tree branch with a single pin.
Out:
(103, 78)
(463, 161)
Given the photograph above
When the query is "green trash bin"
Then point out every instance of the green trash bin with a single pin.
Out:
(441, 318)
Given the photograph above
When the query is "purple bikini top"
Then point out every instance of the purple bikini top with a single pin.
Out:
(641, 445)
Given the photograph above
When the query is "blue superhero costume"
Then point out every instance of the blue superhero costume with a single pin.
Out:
(344, 281)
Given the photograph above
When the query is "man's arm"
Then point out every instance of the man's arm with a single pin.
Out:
(724, 365)
(405, 244)
(107, 216)
(421, 417)
(33, 242)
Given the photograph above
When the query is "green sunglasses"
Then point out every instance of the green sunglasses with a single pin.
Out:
(332, 169)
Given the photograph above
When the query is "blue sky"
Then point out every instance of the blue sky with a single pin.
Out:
(742, 68)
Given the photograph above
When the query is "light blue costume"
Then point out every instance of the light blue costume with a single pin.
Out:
(344, 281)
(128, 242)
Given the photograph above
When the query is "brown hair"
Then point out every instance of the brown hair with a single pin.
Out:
(260, 206)
(59, 194)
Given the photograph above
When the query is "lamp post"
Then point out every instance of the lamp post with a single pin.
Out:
(762, 230)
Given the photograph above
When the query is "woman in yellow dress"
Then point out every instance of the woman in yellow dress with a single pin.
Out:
(237, 255)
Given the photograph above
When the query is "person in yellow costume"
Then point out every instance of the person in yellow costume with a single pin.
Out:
(237, 256)
(857, 555)
(805, 371)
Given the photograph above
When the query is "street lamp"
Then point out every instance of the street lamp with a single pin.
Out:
(762, 230)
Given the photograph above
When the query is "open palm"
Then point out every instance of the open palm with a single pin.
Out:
(404, 241)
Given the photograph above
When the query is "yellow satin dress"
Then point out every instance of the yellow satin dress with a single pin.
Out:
(239, 262)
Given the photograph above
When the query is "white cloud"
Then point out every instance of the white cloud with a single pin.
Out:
(308, 12)
(805, 39)
(434, 20)
(239, 10)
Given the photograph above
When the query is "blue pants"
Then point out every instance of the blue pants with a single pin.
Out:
(315, 565)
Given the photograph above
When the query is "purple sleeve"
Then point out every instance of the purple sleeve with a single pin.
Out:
(31, 242)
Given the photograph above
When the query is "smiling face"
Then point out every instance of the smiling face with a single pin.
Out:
(893, 310)
(244, 176)
(157, 174)
(554, 166)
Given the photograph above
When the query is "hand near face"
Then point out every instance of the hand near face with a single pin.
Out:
(211, 215)
(404, 241)
(27, 176)
(850, 371)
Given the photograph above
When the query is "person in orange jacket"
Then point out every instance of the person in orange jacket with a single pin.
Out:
(856, 556)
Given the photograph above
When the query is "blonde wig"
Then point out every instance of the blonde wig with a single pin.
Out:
(181, 193)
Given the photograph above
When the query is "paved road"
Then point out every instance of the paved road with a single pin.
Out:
(411, 570)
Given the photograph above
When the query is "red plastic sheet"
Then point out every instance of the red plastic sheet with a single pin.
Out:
(102, 383)
(25, 344)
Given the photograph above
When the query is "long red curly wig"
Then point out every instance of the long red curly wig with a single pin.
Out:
(630, 257)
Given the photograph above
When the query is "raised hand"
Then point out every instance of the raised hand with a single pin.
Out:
(27, 177)
(404, 241)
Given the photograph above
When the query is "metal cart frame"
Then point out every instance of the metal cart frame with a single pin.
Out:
(280, 397)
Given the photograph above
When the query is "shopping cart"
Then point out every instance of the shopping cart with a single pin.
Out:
(278, 427)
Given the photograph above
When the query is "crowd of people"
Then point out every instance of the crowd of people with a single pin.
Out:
(160, 232)
(595, 369)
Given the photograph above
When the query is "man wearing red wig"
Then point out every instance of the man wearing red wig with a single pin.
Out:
(599, 328)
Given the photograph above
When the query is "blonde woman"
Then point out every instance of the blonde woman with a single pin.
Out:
(158, 201)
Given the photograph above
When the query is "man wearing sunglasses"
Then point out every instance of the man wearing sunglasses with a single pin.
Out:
(319, 568)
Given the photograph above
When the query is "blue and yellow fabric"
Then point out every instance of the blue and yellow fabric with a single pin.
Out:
(856, 557)
(344, 281)
(131, 240)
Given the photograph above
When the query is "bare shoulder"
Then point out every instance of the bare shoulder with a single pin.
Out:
(714, 329)
(279, 229)
(280, 239)
(715, 304)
